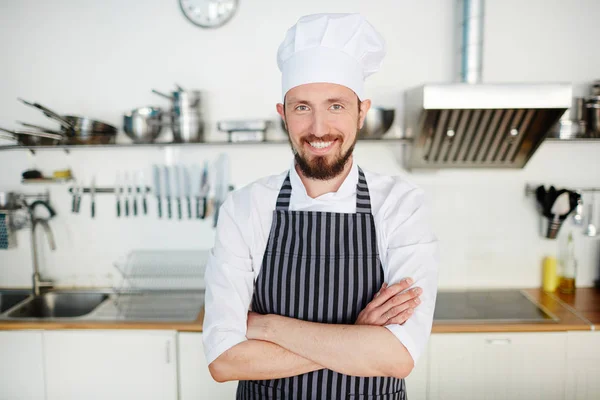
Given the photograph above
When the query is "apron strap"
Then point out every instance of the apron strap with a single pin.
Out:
(285, 193)
(363, 199)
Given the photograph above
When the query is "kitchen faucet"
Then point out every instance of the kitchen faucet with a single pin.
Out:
(38, 283)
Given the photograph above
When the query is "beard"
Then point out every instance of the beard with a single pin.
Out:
(319, 167)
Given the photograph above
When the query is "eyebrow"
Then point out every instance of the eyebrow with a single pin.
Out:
(330, 100)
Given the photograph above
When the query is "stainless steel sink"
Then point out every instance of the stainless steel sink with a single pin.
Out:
(58, 305)
(10, 298)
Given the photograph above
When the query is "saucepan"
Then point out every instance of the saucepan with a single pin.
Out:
(79, 130)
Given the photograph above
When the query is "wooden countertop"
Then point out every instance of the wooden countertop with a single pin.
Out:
(576, 312)
(585, 302)
(192, 326)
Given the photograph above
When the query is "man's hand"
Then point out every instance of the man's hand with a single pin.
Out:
(391, 305)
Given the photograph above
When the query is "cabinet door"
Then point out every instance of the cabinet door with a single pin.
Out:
(195, 381)
(526, 366)
(21, 365)
(416, 382)
(109, 364)
(583, 365)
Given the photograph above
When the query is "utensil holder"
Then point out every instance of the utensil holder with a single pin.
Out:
(550, 227)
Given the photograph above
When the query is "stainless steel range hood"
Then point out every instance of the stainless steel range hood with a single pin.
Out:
(469, 124)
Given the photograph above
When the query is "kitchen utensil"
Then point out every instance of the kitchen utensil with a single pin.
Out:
(126, 192)
(186, 115)
(143, 125)
(377, 122)
(591, 230)
(168, 191)
(141, 189)
(79, 130)
(178, 189)
(204, 190)
(157, 192)
(34, 138)
(79, 196)
(134, 195)
(187, 188)
(593, 116)
(221, 184)
(93, 196)
(245, 130)
(560, 208)
(578, 216)
(118, 194)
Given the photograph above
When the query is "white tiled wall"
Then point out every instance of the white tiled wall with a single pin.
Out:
(102, 58)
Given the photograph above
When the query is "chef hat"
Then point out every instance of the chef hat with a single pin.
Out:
(333, 48)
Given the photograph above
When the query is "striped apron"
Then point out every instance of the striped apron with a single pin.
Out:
(320, 267)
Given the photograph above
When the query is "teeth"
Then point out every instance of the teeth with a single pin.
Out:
(320, 145)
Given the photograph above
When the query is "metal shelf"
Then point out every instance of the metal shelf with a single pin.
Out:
(68, 147)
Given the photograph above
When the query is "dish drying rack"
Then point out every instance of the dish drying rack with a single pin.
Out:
(165, 285)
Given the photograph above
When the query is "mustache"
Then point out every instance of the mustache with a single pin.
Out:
(326, 138)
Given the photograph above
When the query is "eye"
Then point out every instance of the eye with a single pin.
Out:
(337, 107)
(301, 107)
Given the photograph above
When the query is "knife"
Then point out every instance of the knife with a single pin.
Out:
(142, 190)
(187, 187)
(204, 189)
(156, 173)
(134, 195)
(93, 196)
(118, 194)
(177, 172)
(168, 191)
(124, 191)
(78, 197)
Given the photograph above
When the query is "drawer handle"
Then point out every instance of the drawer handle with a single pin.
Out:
(497, 341)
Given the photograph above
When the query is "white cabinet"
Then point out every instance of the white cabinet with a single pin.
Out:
(21, 365)
(583, 365)
(515, 366)
(110, 364)
(195, 381)
(416, 382)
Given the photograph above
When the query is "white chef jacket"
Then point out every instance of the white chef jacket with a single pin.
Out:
(406, 243)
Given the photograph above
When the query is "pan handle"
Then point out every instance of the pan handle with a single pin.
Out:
(49, 113)
(41, 128)
(166, 96)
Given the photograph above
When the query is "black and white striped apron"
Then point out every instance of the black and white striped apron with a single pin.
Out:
(320, 267)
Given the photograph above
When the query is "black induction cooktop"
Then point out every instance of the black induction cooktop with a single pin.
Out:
(474, 306)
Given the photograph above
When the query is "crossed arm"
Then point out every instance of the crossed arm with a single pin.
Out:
(279, 347)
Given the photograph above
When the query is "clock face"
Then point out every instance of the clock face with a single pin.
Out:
(208, 13)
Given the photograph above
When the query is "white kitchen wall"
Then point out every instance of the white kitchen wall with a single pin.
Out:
(102, 58)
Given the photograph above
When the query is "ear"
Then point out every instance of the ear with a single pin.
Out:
(281, 112)
(365, 106)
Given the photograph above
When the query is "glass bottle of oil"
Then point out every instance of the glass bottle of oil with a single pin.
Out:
(568, 270)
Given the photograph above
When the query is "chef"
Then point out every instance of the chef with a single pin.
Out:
(322, 281)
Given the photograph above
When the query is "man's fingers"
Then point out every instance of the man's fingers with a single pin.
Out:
(382, 287)
(401, 318)
(390, 291)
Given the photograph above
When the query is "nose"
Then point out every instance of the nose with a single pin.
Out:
(320, 126)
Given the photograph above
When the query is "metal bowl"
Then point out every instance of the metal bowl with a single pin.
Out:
(377, 123)
(143, 125)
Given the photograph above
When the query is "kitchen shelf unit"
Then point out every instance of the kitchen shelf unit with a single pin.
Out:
(69, 147)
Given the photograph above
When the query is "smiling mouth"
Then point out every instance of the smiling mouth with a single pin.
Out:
(321, 145)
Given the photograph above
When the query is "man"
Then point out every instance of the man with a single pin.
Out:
(311, 251)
